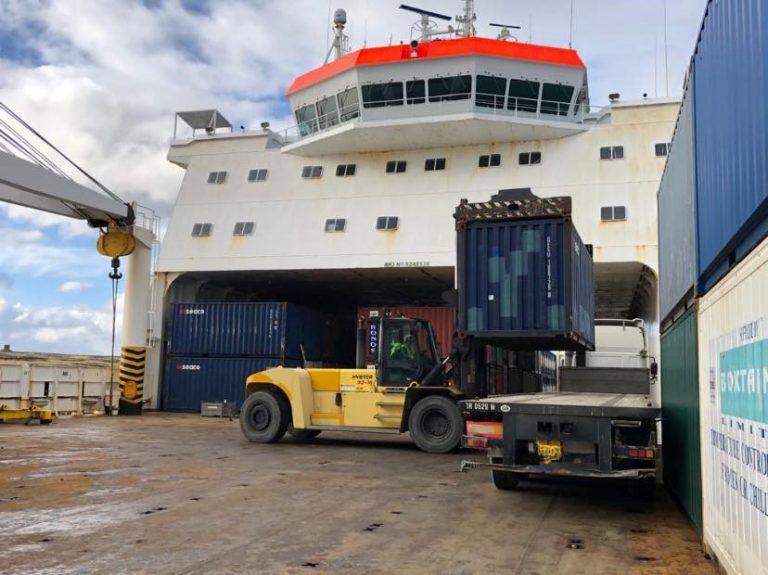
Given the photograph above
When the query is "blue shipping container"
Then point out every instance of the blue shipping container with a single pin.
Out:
(526, 283)
(262, 329)
(731, 133)
(191, 380)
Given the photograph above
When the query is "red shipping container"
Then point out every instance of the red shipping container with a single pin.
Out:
(443, 320)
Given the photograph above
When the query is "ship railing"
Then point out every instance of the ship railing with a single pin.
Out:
(434, 105)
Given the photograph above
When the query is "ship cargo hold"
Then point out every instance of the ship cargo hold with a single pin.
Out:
(524, 275)
(730, 83)
(733, 399)
(191, 381)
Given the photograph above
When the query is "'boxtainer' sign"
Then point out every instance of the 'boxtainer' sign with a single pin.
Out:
(744, 381)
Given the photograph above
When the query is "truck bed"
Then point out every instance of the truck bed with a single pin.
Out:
(568, 403)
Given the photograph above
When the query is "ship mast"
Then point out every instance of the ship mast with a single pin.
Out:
(466, 22)
(340, 46)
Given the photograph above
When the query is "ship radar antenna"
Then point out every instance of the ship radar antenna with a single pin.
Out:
(340, 46)
(426, 28)
(505, 34)
(466, 21)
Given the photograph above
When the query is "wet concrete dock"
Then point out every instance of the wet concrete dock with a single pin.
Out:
(182, 494)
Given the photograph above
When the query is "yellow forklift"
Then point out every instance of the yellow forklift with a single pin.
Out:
(407, 390)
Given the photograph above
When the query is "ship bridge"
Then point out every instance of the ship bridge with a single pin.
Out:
(456, 92)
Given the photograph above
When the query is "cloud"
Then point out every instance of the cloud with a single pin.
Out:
(33, 255)
(57, 329)
(74, 286)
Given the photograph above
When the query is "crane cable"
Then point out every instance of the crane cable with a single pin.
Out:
(115, 276)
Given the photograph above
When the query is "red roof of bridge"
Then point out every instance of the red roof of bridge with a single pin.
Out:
(474, 46)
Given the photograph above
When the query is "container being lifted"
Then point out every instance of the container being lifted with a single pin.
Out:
(524, 274)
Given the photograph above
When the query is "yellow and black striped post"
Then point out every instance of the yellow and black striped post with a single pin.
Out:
(132, 362)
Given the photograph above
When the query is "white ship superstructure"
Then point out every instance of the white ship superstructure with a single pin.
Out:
(353, 205)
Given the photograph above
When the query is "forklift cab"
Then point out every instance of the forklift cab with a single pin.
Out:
(407, 352)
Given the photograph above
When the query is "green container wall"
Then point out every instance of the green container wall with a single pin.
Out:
(680, 412)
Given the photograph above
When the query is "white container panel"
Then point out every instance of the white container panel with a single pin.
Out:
(42, 373)
(10, 389)
(94, 374)
(94, 389)
(38, 389)
(10, 372)
(65, 404)
(733, 384)
(67, 389)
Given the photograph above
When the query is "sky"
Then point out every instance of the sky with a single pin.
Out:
(102, 79)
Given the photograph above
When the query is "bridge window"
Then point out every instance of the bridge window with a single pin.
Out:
(434, 165)
(452, 88)
(243, 229)
(384, 223)
(349, 104)
(396, 167)
(556, 99)
(327, 112)
(662, 150)
(306, 117)
(490, 92)
(202, 230)
(217, 177)
(346, 170)
(613, 213)
(612, 153)
(312, 172)
(490, 161)
(380, 95)
(415, 92)
(523, 95)
(257, 175)
(530, 158)
(335, 225)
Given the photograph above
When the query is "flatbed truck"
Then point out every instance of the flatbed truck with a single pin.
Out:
(601, 423)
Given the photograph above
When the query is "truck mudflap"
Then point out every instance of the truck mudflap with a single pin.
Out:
(555, 470)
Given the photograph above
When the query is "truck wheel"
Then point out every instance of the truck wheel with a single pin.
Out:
(505, 480)
(435, 424)
(303, 434)
(264, 417)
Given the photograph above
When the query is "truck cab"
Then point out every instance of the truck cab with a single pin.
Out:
(404, 389)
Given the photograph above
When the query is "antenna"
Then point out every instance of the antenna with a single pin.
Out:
(505, 33)
(425, 27)
(466, 22)
(570, 38)
(340, 46)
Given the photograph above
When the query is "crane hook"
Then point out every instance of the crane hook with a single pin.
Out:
(115, 274)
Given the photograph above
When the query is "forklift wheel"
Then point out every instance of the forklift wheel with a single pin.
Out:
(264, 417)
(435, 424)
(303, 434)
(505, 480)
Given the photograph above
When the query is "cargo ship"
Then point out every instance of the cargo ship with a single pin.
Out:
(351, 207)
